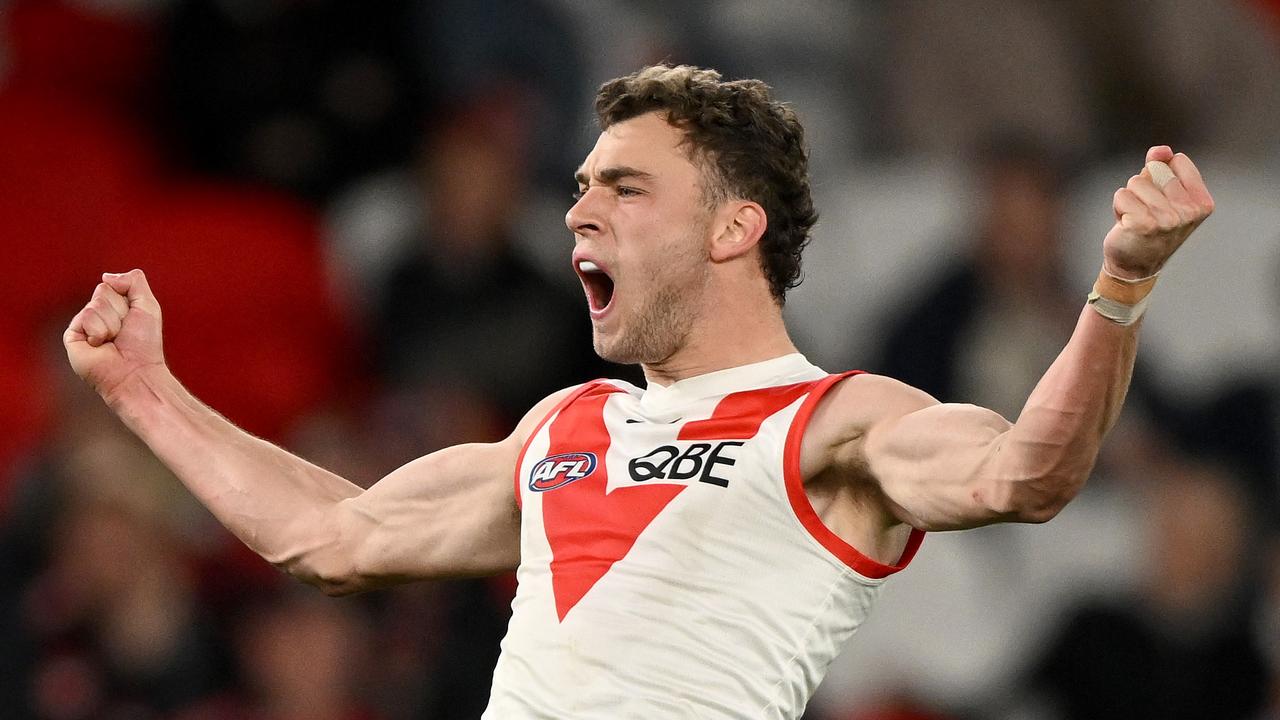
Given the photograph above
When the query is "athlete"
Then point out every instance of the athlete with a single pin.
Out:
(701, 547)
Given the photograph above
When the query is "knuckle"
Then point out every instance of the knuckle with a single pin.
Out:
(1144, 225)
(1189, 212)
(1167, 219)
(1139, 224)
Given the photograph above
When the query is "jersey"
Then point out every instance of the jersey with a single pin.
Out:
(671, 564)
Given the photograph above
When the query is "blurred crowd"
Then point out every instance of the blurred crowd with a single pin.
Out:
(351, 214)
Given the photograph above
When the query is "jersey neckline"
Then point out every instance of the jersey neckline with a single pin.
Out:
(782, 370)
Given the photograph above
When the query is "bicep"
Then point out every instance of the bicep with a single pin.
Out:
(452, 513)
(448, 514)
(941, 467)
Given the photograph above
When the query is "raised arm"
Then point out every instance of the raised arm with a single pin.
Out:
(450, 513)
(948, 466)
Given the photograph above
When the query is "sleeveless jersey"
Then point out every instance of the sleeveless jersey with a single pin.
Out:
(671, 564)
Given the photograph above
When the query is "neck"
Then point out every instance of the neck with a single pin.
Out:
(726, 335)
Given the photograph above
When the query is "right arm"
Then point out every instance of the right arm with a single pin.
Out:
(450, 513)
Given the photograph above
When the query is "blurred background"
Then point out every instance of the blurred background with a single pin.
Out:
(352, 214)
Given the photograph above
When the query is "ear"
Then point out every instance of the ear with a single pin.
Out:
(739, 225)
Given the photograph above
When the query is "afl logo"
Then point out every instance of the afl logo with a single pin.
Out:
(560, 470)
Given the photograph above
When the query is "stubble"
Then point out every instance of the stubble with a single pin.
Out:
(664, 320)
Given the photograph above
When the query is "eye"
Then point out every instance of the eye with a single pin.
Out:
(624, 191)
(577, 194)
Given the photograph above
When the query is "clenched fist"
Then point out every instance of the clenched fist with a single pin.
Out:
(117, 333)
(1154, 216)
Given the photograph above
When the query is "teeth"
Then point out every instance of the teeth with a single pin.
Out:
(588, 266)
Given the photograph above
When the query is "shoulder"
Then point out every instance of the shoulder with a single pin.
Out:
(854, 408)
(549, 405)
(859, 402)
(541, 410)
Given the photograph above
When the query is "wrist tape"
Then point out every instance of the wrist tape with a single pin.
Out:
(1119, 300)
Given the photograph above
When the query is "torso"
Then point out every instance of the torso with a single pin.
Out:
(674, 560)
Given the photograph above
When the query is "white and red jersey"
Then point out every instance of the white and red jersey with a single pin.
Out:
(671, 564)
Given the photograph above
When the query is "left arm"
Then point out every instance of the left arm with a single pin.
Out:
(952, 466)
(948, 466)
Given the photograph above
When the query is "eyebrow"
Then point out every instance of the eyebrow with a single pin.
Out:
(613, 174)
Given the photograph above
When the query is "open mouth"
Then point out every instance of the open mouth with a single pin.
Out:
(598, 285)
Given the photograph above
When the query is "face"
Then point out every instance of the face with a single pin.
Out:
(641, 229)
(1023, 218)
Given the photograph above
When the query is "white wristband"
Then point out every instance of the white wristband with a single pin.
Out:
(1120, 300)
(1117, 312)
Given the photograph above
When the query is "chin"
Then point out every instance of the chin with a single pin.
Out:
(614, 352)
(631, 351)
(649, 336)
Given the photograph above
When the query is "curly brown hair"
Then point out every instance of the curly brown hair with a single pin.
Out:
(750, 147)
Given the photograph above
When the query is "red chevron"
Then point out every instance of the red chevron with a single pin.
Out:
(590, 529)
(738, 415)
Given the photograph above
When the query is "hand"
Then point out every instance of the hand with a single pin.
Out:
(1152, 222)
(116, 334)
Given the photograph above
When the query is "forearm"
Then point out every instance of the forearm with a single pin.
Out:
(1048, 453)
(1057, 436)
(279, 505)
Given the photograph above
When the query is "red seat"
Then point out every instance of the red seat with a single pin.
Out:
(250, 322)
(67, 173)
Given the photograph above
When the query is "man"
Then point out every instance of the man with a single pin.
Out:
(702, 547)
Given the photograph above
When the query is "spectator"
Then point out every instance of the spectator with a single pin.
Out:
(467, 308)
(1267, 625)
(115, 622)
(1184, 649)
(299, 658)
(987, 329)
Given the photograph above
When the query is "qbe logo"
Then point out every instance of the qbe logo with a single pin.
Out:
(699, 460)
(559, 470)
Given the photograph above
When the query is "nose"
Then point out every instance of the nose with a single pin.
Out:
(584, 217)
